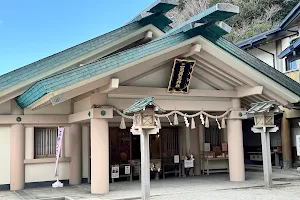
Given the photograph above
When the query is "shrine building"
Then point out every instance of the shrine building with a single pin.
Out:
(201, 84)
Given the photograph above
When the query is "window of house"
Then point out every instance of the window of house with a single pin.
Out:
(45, 142)
(290, 66)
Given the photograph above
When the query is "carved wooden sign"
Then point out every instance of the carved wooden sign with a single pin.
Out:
(181, 75)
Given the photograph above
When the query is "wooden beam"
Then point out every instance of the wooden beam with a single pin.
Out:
(34, 119)
(248, 91)
(131, 90)
(184, 105)
(113, 84)
(148, 35)
(196, 48)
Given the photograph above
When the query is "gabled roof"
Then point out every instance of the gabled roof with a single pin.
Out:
(58, 59)
(279, 31)
(290, 18)
(212, 30)
(295, 45)
(54, 62)
(262, 107)
(140, 105)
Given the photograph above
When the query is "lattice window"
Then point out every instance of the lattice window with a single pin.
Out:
(45, 142)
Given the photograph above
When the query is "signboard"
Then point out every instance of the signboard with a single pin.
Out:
(115, 172)
(188, 163)
(127, 169)
(58, 147)
(298, 144)
(206, 146)
(181, 76)
(176, 158)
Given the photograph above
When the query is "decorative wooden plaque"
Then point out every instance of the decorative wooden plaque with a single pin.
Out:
(181, 75)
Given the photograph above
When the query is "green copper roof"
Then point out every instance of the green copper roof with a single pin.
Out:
(78, 74)
(140, 105)
(58, 59)
(155, 16)
(211, 31)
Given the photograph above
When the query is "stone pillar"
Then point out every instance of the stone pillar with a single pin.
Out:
(286, 142)
(76, 153)
(17, 156)
(145, 165)
(99, 156)
(235, 146)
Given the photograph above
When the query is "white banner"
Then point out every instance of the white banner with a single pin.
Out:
(58, 146)
(298, 144)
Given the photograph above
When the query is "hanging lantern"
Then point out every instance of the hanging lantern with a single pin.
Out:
(175, 120)
(206, 122)
(122, 124)
(193, 126)
(223, 123)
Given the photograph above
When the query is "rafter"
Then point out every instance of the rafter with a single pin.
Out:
(204, 56)
(208, 65)
(207, 81)
(218, 81)
(217, 74)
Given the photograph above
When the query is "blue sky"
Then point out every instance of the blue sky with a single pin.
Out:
(33, 29)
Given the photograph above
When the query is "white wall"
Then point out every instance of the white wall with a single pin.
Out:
(82, 105)
(265, 57)
(5, 108)
(5, 155)
(45, 172)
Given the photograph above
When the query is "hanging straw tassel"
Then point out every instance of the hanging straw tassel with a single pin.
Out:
(175, 120)
(202, 118)
(158, 123)
(122, 124)
(223, 123)
(187, 124)
(193, 126)
(169, 121)
(206, 122)
(219, 126)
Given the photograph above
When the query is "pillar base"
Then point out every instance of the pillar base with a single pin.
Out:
(287, 164)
